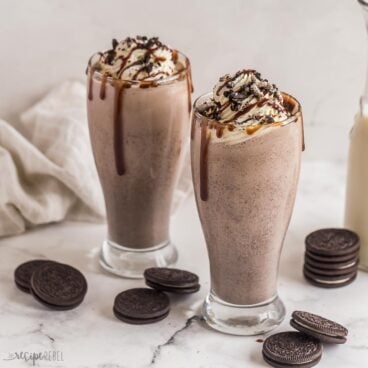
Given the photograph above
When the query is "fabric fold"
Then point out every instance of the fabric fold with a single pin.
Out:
(48, 171)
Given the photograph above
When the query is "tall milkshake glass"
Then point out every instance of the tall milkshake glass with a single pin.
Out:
(138, 130)
(245, 180)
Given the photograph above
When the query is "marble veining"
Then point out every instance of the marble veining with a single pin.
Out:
(171, 340)
(90, 336)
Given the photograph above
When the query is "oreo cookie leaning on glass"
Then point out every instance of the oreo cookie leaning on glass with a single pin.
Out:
(331, 257)
(171, 280)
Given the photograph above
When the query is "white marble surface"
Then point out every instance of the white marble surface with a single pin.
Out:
(313, 49)
(90, 336)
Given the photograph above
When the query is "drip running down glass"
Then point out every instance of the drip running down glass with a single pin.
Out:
(245, 187)
(138, 131)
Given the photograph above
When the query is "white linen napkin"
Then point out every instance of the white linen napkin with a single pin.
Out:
(47, 168)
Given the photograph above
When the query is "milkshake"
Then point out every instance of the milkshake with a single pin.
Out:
(138, 114)
(247, 140)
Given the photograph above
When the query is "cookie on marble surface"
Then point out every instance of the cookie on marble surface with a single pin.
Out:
(58, 286)
(24, 272)
(292, 349)
(141, 305)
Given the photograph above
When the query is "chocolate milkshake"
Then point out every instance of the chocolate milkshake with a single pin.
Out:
(247, 139)
(138, 113)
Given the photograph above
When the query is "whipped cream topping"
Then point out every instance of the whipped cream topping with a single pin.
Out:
(137, 58)
(246, 100)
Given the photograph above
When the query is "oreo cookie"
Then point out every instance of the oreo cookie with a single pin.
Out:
(171, 280)
(329, 282)
(172, 289)
(332, 242)
(24, 272)
(331, 257)
(141, 306)
(292, 349)
(338, 266)
(319, 327)
(331, 272)
(58, 286)
(137, 321)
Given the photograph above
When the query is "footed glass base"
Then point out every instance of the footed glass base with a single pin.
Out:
(131, 263)
(244, 320)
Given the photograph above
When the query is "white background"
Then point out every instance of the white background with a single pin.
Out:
(312, 49)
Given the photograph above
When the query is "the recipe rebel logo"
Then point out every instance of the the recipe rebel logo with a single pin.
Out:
(33, 357)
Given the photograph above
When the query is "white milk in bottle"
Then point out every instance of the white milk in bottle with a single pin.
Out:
(356, 205)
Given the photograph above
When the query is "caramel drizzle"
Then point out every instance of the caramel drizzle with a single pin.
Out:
(290, 106)
(219, 131)
(175, 56)
(203, 165)
(252, 129)
(154, 82)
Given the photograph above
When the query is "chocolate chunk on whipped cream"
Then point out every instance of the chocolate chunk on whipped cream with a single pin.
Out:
(138, 58)
(246, 100)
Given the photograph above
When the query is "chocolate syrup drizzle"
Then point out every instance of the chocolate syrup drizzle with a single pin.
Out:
(119, 128)
(90, 83)
(232, 79)
(147, 62)
(103, 87)
(190, 88)
(205, 138)
(119, 87)
(203, 164)
(241, 97)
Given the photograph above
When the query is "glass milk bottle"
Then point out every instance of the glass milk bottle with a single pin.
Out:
(356, 206)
